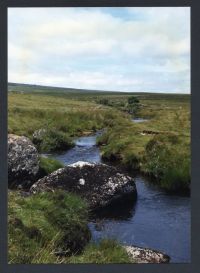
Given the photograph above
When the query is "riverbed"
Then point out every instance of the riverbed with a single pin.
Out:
(156, 220)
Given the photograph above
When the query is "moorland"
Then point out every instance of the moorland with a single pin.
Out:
(158, 148)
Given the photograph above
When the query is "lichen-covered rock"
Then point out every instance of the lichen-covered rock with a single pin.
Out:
(23, 161)
(98, 183)
(146, 255)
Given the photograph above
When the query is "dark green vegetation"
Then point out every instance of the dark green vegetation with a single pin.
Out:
(52, 228)
(53, 140)
(159, 147)
(133, 105)
(48, 165)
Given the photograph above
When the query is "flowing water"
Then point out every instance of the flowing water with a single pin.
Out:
(156, 220)
(138, 120)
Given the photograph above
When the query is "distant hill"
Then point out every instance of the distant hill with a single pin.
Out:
(30, 88)
(21, 87)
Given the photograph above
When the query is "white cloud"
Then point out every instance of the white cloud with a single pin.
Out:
(91, 41)
(19, 53)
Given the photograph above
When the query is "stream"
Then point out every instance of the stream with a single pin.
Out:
(156, 220)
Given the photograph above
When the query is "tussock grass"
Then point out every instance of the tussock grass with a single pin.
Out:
(48, 165)
(52, 228)
(168, 159)
(54, 140)
(45, 224)
(104, 252)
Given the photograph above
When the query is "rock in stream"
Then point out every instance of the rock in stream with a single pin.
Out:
(146, 255)
(99, 184)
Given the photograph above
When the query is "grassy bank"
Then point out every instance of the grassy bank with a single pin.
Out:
(52, 228)
(48, 165)
(159, 147)
(155, 147)
(61, 118)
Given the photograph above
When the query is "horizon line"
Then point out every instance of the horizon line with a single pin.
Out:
(98, 90)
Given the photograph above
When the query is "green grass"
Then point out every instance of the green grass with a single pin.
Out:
(48, 165)
(62, 118)
(168, 159)
(43, 224)
(104, 252)
(52, 228)
(54, 140)
(169, 162)
(66, 115)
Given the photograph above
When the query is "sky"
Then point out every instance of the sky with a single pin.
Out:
(119, 49)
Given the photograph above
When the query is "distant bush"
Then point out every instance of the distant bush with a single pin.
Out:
(132, 100)
(133, 105)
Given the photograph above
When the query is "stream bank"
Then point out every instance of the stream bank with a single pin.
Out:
(156, 220)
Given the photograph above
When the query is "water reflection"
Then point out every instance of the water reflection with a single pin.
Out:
(121, 210)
